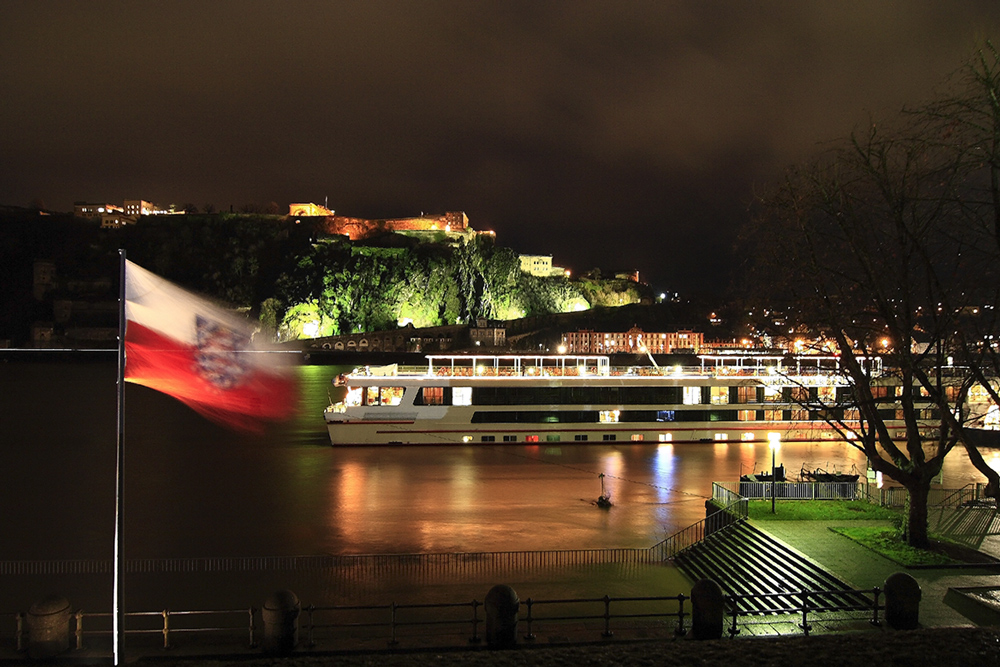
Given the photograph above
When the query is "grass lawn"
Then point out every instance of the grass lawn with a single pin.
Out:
(886, 542)
(819, 510)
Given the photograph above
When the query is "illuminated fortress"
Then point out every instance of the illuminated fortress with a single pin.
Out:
(453, 222)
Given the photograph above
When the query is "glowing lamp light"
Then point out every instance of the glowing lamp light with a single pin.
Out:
(561, 349)
(311, 329)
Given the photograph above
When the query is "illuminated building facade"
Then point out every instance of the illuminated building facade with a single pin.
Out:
(633, 341)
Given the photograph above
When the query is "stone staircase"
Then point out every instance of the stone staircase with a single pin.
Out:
(745, 561)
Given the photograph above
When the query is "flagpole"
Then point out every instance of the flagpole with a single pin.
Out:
(118, 614)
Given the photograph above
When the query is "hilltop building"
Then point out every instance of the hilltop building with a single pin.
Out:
(453, 223)
(541, 266)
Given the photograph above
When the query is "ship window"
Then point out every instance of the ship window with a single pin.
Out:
(637, 437)
(432, 395)
(852, 414)
(488, 438)
(391, 395)
(692, 395)
(609, 437)
(552, 438)
(531, 438)
(772, 394)
(665, 415)
(461, 396)
(747, 437)
(746, 415)
(826, 394)
(800, 415)
(772, 415)
(581, 438)
(722, 436)
(746, 394)
(666, 437)
(720, 395)
(466, 438)
(510, 438)
(371, 396)
(354, 396)
(609, 416)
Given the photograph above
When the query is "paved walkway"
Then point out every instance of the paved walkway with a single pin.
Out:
(863, 568)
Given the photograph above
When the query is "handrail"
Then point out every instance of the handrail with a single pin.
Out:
(696, 532)
(804, 607)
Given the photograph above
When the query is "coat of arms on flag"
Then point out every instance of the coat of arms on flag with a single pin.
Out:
(201, 354)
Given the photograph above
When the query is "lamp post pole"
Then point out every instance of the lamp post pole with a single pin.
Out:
(774, 441)
(772, 478)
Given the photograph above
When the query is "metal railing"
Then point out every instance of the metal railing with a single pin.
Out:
(695, 533)
(806, 604)
(789, 490)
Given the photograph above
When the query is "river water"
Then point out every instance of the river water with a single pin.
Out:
(194, 489)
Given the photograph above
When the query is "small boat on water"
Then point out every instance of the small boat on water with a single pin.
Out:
(821, 475)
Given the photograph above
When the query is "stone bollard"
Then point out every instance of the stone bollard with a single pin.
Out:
(902, 601)
(502, 605)
(280, 614)
(48, 627)
(708, 610)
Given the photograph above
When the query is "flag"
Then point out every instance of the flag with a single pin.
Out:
(201, 354)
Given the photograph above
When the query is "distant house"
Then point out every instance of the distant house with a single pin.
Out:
(633, 341)
(541, 266)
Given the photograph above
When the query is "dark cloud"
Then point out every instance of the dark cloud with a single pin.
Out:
(627, 134)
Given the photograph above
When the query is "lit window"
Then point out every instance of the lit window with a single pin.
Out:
(552, 438)
(772, 394)
(772, 415)
(720, 395)
(432, 395)
(746, 415)
(354, 395)
(609, 416)
(466, 438)
(747, 436)
(665, 415)
(692, 395)
(531, 438)
(721, 436)
(392, 395)
(461, 396)
(666, 437)
(636, 437)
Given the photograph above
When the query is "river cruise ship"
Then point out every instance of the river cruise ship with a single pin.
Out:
(471, 399)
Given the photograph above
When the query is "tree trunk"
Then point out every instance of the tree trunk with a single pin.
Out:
(992, 477)
(915, 530)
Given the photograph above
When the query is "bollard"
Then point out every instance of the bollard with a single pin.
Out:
(280, 614)
(48, 627)
(708, 610)
(502, 605)
(902, 601)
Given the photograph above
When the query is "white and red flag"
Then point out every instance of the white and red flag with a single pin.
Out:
(199, 353)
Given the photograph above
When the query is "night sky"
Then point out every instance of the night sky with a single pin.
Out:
(612, 134)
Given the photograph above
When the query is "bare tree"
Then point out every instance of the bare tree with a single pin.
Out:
(871, 243)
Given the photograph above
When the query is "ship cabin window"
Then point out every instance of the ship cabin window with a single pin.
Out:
(432, 395)
(800, 415)
(383, 395)
(772, 394)
(852, 414)
(772, 415)
(609, 416)
(510, 438)
(636, 437)
(531, 438)
(609, 437)
(799, 395)
(355, 396)
(552, 438)
(747, 436)
(720, 395)
(488, 438)
(666, 437)
(466, 438)
(746, 395)
(826, 394)
(581, 437)
(665, 415)
(461, 396)
(746, 415)
(721, 436)
(692, 395)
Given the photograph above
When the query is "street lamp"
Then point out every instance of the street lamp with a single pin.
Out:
(773, 442)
